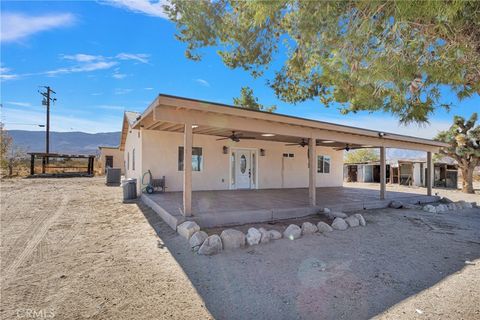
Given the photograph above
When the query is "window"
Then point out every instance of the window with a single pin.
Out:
(128, 160)
(323, 164)
(197, 159)
(133, 159)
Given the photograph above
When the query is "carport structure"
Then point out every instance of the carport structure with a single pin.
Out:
(190, 117)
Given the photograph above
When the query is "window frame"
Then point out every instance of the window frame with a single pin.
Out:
(181, 164)
(324, 160)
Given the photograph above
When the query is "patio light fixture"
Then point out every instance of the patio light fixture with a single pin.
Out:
(194, 126)
(225, 150)
(262, 152)
(268, 135)
(328, 141)
(381, 134)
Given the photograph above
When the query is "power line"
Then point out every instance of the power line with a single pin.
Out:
(47, 98)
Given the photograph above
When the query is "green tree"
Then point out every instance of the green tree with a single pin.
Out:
(464, 139)
(391, 56)
(248, 100)
(361, 155)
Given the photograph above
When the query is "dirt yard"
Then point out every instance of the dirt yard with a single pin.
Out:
(71, 249)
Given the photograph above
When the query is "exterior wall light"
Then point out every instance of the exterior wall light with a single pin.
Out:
(225, 150)
(262, 152)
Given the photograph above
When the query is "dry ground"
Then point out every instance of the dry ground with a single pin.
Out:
(71, 248)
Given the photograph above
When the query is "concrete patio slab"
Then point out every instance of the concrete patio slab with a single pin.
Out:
(234, 207)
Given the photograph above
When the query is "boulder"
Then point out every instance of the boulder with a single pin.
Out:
(308, 228)
(352, 221)
(361, 219)
(412, 206)
(187, 229)
(275, 235)
(292, 232)
(464, 205)
(452, 206)
(442, 208)
(197, 239)
(253, 236)
(337, 214)
(339, 224)
(429, 208)
(446, 200)
(396, 204)
(232, 239)
(212, 245)
(323, 227)
(326, 210)
(265, 235)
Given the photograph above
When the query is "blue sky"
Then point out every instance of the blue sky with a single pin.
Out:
(106, 57)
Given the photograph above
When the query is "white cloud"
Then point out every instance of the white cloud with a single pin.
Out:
(96, 94)
(19, 104)
(17, 26)
(120, 91)
(87, 67)
(6, 75)
(148, 88)
(81, 57)
(140, 57)
(111, 107)
(150, 8)
(118, 75)
(202, 82)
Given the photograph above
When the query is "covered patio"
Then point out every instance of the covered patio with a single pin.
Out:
(234, 207)
(195, 119)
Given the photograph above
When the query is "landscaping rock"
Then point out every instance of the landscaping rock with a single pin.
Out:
(464, 205)
(352, 221)
(308, 228)
(412, 206)
(429, 208)
(212, 245)
(197, 239)
(232, 239)
(187, 229)
(253, 236)
(339, 224)
(337, 214)
(292, 232)
(265, 235)
(446, 200)
(326, 210)
(361, 219)
(452, 206)
(274, 234)
(442, 208)
(323, 227)
(396, 204)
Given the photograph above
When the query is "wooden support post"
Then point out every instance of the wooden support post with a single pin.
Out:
(312, 172)
(32, 164)
(44, 163)
(429, 176)
(187, 169)
(383, 170)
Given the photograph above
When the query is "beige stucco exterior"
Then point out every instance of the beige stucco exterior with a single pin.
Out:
(160, 155)
(117, 155)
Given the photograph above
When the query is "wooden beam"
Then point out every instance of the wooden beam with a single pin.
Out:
(383, 170)
(187, 169)
(312, 172)
(429, 173)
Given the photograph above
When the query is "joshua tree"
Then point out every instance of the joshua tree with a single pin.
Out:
(464, 139)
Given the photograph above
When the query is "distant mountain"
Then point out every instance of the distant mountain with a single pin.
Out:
(64, 142)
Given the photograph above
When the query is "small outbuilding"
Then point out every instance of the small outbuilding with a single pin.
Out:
(111, 157)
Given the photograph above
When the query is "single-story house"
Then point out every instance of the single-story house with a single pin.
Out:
(409, 172)
(236, 149)
(111, 157)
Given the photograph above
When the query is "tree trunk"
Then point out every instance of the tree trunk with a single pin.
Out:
(467, 177)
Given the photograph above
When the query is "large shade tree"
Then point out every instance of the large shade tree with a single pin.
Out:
(464, 140)
(391, 56)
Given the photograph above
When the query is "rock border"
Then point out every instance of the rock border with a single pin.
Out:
(231, 238)
(442, 206)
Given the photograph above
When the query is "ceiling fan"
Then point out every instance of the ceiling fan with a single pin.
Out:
(235, 137)
(346, 148)
(302, 143)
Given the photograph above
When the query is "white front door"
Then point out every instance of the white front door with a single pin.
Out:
(243, 169)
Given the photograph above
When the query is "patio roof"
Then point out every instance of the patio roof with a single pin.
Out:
(170, 113)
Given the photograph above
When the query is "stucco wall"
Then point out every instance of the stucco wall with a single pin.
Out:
(117, 158)
(133, 141)
(160, 155)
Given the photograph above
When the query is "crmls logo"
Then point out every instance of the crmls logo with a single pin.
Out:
(35, 314)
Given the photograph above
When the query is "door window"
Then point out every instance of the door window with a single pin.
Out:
(243, 164)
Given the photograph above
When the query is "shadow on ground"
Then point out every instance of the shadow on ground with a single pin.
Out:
(355, 274)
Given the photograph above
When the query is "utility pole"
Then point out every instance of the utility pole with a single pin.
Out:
(47, 98)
